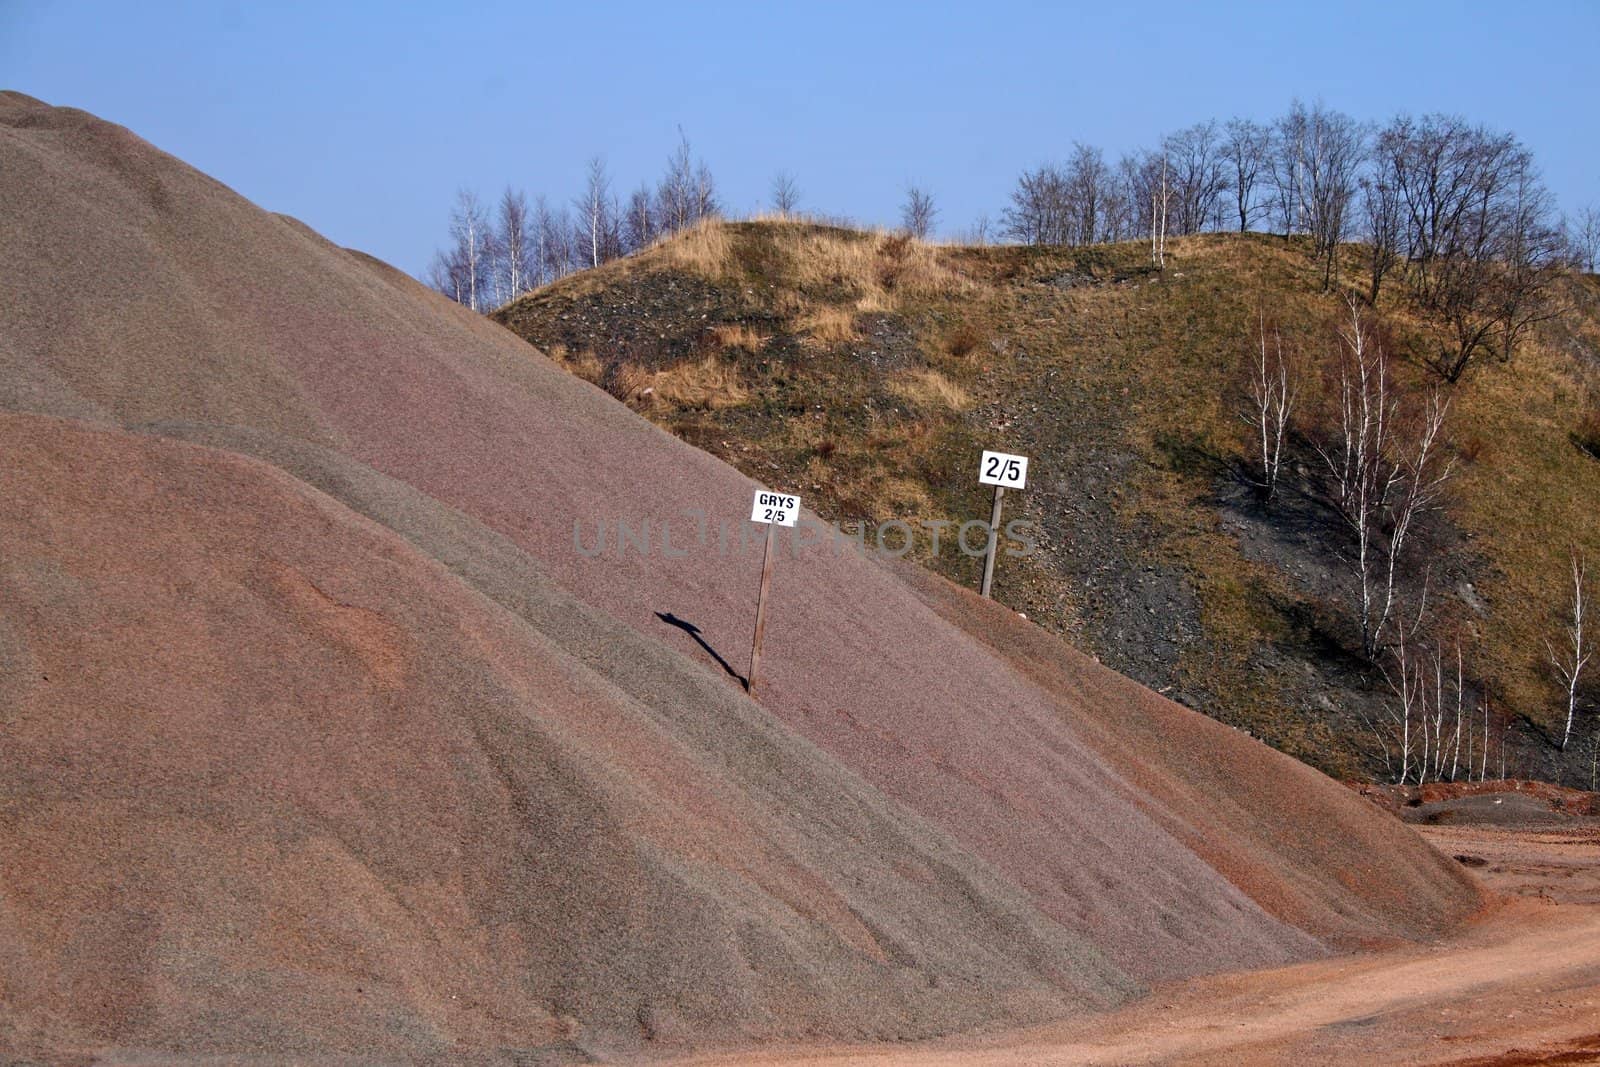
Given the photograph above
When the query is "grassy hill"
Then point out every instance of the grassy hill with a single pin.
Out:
(866, 371)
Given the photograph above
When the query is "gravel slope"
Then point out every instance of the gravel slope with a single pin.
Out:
(915, 831)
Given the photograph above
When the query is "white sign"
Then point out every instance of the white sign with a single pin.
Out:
(1002, 468)
(781, 508)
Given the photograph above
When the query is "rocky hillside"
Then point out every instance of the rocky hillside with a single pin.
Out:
(867, 371)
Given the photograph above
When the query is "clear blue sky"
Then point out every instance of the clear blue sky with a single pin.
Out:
(363, 119)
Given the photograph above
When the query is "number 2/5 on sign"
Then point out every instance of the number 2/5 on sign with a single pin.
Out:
(1003, 471)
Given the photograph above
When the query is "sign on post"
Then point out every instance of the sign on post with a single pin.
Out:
(774, 509)
(1003, 471)
(780, 508)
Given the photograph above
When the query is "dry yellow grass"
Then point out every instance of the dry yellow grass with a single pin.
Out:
(873, 267)
(930, 390)
(736, 335)
(585, 364)
(707, 384)
(828, 326)
(704, 248)
(876, 301)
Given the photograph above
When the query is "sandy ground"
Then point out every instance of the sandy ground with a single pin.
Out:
(1520, 985)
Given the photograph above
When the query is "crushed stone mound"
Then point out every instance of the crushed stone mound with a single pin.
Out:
(321, 733)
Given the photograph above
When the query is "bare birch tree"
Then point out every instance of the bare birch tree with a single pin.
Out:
(1572, 656)
(594, 211)
(639, 224)
(549, 260)
(1405, 717)
(675, 194)
(469, 232)
(513, 243)
(1387, 471)
(1271, 403)
(1160, 198)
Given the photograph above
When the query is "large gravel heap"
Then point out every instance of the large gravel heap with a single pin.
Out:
(317, 734)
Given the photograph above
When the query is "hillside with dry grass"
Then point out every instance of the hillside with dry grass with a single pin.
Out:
(866, 371)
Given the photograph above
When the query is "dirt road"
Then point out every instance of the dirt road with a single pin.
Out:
(1520, 985)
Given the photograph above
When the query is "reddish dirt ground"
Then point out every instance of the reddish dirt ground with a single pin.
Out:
(1518, 985)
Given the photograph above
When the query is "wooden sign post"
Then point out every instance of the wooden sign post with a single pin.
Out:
(1003, 471)
(774, 509)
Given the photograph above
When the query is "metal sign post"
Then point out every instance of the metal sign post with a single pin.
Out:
(774, 509)
(1003, 471)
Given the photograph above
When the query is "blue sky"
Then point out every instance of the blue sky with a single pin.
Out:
(363, 119)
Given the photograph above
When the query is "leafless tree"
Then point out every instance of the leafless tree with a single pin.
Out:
(1271, 403)
(1483, 762)
(1386, 469)
(1402, 735)
(1038, 211)
(462, 273)
(918, 212)
(977, 234)
(1332, 147)
(675, 196)
(1197, 175)
(1572, 656)
(549, 260)
(1480, 235)
(597, 215)
(446, 276)
(687, 192)
(512, 244)
(1585, 230)
(1380, 201)
(705, 203)
(1424, 726)
(1245, 146)
(1086, 188)
(639, 221)
(785, 193)
(1530, 253)
(1160, 200)
(1285, 162)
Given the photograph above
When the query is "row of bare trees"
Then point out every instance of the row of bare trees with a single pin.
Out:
(1436, 725)
(1377, 441)
(495, 256)
(1297, 174)
(1456, 211)
(1433, 717)
(1379, 447)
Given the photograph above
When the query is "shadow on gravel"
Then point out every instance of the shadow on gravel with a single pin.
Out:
(694, 631)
